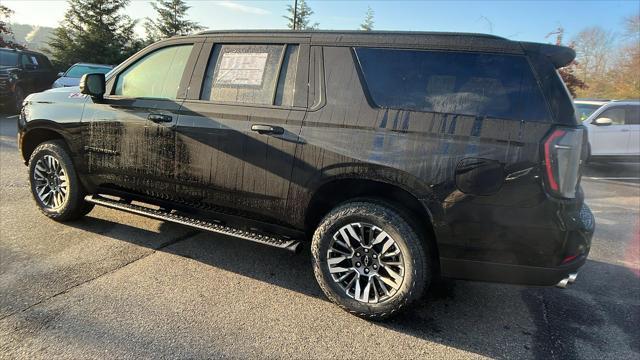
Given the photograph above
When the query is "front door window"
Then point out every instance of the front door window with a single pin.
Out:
(156, 75)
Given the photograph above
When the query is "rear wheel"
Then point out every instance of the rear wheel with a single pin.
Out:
(54, 183)
(369, 259)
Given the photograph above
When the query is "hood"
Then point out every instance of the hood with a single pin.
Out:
(58, 95)
(67, 81)
(66, 90)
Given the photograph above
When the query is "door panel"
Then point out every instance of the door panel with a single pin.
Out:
(29, 81)
(130, 134)
(220, 160)
(632, 122)
(127, 150)
(611, 139)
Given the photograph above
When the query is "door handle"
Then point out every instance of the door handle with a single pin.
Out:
(624, 130)
(160, 118)
(267, 129)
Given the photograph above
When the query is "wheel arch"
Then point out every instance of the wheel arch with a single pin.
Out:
(339, 190)
(36, 134)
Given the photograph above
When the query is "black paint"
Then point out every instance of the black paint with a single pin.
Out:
(334, 144)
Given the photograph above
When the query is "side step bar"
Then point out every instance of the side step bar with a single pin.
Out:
(212, 226)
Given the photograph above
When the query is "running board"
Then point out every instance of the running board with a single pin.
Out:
(212, 226)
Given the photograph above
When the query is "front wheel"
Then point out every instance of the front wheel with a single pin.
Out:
(54, 183)
(369, 259)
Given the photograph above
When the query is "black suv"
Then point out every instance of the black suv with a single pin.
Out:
(22, 72)
(399, 156)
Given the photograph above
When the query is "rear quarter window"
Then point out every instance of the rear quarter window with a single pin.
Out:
(492, 85)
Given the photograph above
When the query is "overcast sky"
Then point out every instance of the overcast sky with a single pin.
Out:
(519, 20)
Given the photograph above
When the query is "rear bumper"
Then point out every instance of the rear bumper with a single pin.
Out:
(579, 228)
(507, 273)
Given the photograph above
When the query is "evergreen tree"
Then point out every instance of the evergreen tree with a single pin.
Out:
(6, 34)
(171, 20)
(367, 25)
(94, 31)
(298, 19)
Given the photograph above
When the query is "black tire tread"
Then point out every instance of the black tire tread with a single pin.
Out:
(421, 274)
(76, 206)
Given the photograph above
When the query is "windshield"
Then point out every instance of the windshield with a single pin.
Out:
(8, 58)
(583, 111)
(76, 71)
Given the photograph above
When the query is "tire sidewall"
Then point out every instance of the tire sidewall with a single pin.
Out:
(415, 278)
(56, 149)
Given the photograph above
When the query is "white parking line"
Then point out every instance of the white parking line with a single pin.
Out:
(611, 178)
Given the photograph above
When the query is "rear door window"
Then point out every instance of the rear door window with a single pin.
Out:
(622, 115)
(251, 74)
(492, 85)
(29, 60)
(632, 115)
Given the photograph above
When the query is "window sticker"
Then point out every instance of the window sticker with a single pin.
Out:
(242, 69)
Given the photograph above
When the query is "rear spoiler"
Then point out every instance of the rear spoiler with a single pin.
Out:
(560, 56)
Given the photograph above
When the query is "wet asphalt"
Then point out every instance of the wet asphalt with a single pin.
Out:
(114, 285)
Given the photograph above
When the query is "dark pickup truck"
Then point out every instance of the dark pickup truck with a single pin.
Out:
(399, 157)
(22, 72)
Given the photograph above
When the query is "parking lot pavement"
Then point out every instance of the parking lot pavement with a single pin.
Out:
(115, 285)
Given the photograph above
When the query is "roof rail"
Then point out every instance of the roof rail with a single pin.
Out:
(594, 99)
(351, 32)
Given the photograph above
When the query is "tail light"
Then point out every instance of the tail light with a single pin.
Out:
(562, 161)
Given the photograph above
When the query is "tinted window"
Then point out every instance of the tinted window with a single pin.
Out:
(76, 71)
(251, 74)
(616, 114)
(8, 58)
(287, 79)
(556, 93)
(157, 75)
(499, 86)
(583, 111)
(632, 115)
(623, 115)
(27, 59)
(44, 62)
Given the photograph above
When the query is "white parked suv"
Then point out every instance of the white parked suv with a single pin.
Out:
(614, 128)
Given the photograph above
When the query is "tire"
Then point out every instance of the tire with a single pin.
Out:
(51, 161)
(18, 99)
(378, 218)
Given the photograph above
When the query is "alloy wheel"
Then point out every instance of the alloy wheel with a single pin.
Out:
(51, 184)
(366, 262)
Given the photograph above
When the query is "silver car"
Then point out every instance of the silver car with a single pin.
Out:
(72, 76)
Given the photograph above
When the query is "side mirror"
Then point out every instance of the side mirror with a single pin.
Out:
(92, 85)
(476, 176)
(60, 74)
(603, 121)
